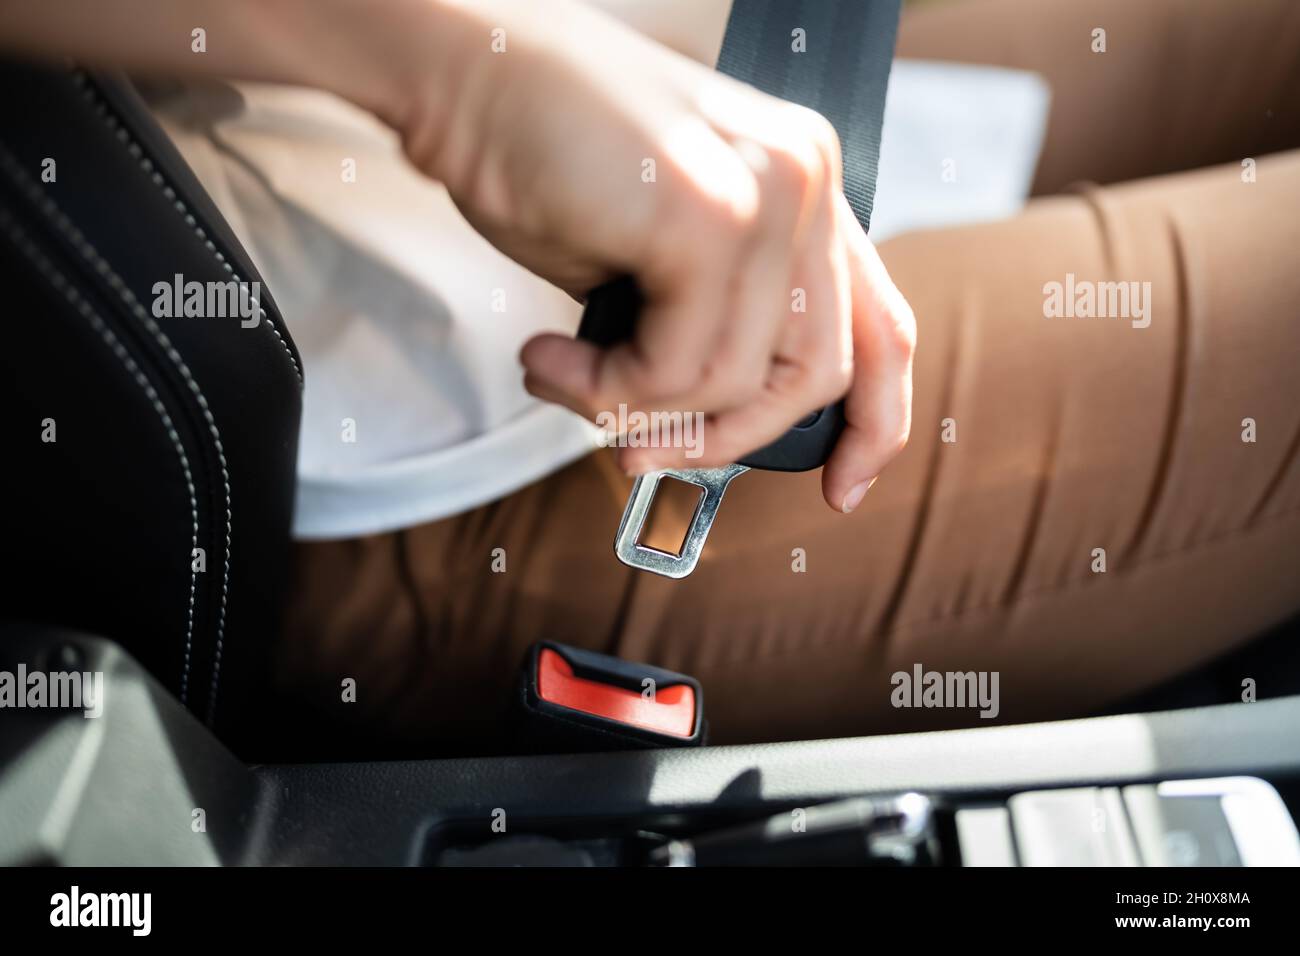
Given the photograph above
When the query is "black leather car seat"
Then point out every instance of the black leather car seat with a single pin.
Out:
(148, 462)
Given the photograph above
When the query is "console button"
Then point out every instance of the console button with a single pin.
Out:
(1085, 826)
(984, 836)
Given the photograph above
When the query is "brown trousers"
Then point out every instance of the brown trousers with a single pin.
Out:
(1073, 436)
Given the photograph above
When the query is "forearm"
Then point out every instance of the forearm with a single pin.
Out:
(343, 46)
(404, 60)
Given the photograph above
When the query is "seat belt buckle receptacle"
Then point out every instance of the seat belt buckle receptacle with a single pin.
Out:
(578, 700)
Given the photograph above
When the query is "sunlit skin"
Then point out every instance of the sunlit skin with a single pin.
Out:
(539, 120)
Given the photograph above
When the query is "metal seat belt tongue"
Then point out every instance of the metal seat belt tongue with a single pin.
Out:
(832, 56)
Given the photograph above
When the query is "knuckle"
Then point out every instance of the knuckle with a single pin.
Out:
(828, 141)
(840, 379)
(824, 139)
(891, 438)
(900, 436)
(712, 219)
(794, 172)
(902, 329)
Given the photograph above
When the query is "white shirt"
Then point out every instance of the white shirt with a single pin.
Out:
(410, 323)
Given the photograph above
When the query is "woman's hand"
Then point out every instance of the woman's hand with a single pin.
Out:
(583, 151)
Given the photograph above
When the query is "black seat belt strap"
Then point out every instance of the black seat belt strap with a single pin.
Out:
(832, 56)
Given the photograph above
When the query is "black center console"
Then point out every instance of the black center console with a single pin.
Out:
(1215, 785)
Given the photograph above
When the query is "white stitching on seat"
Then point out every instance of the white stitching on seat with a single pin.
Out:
(101, 110)
(101, 265)
(60, 282)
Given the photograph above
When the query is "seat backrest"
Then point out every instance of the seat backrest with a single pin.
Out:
(148, 461)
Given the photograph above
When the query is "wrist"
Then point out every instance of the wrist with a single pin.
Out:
(449, 72)
(386, 57)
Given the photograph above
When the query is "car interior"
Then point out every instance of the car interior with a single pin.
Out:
(1202, 771)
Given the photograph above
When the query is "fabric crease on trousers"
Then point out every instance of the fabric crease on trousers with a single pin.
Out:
(1071, 437)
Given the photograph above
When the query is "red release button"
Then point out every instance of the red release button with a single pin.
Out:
(672, 711)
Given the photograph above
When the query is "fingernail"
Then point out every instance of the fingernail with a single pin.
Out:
(855, 495)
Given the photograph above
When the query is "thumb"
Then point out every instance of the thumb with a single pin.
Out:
(878, 407)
